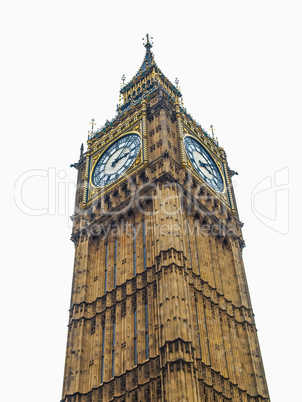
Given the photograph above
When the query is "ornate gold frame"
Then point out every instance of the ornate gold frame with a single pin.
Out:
(220, 167)
(92, 191)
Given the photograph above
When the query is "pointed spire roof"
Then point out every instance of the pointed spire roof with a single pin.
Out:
(143, 85)
(148, 65)
(149, 58)
(145, 81)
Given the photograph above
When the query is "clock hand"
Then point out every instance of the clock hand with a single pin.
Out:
(125, 146)
(205, 166)
(113, 163)
(119, 158)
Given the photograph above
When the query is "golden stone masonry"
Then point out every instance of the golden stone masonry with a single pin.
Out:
(160, 308)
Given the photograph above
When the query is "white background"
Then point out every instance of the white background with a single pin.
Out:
(239, 67)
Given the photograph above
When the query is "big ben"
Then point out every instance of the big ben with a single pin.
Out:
(160, 308)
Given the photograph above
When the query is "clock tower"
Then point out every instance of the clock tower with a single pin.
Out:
(160, 308)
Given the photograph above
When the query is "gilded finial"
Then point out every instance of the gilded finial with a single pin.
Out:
(182, 98)
(212, 129)
(92, 124)
(120, 95)
(176, 82)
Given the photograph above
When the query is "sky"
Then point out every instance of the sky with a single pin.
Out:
(239, 68)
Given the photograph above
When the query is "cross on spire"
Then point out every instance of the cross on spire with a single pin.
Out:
(123, 79)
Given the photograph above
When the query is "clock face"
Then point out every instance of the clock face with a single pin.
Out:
(116, 159)
(204, 164)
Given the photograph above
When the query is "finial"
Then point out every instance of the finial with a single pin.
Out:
(148, 43)
(81, 150)
(212, 129)
(182, 98)
(176, 82)
(120, 95)
(92, 124)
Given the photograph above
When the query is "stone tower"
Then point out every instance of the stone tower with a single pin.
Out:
(160, 308)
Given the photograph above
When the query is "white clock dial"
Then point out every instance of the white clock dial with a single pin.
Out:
(116, 160)
(204, 164)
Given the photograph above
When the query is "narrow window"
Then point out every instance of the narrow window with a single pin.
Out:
(108, 202)
(144, 240)
(102, 357)
(197, 250)
(146, 330)
(189, 243)
(115, 250)
(134, 251)
(113, 351)
(113, 347)
(105, 281)
(135, 338)
(106, 263)
(198, 329)
(126, 191)
(115, 258)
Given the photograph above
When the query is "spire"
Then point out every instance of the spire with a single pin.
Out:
(145, 81)
(148, 44)
(149, 58)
